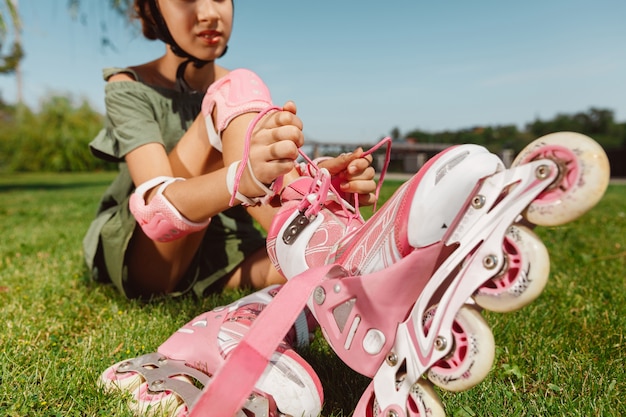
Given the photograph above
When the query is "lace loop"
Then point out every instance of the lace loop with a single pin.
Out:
(351, 211)
(275, 185)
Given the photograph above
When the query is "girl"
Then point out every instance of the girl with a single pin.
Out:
(193, 141)
(155, 129)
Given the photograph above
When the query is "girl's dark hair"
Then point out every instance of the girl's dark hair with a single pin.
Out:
(142, 12)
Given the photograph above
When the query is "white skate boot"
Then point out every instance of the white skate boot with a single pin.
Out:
(169, 382)
(456, 236)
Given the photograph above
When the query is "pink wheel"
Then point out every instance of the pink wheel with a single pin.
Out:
(584, 174)
(523, 277)
(471, 356)
(423, 401)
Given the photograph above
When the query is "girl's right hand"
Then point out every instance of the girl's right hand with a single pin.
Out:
(274, 147)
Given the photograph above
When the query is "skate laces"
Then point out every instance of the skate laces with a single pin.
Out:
(322, 184)
(320, 187)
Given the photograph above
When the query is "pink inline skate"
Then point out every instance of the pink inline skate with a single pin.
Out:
(169, 382)
(398, 297)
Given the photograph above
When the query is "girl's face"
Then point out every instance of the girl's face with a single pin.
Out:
(202, 28)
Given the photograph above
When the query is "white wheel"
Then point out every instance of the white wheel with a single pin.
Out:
(426, 400)
(423, 401)
(584, 174)
(471, 356)
(524, 276)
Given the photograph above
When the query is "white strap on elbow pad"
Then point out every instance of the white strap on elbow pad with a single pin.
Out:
(159, 219)
(233, 186)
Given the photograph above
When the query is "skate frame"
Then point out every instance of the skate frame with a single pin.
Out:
(477, 236)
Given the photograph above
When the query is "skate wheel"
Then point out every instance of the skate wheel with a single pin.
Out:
(584, 175)
(111, 381)
(471, 356)
(524, 276)
(423, 401)
(143, 401)
(152, 404)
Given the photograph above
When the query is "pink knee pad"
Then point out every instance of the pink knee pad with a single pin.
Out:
(240, 91)
(159, 219)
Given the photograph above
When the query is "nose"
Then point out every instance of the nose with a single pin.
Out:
(207, 11)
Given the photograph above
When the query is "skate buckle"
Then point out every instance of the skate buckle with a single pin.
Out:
(295, 227)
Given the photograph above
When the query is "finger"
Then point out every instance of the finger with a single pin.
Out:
(270, 170)
(339, 163)
(358, 186)
(269, 162)
(288, 134)
(286, 118)
(367, 174)
(290, 106)
(284, 150)
(360, 165)
(269, 134)
(367, 199)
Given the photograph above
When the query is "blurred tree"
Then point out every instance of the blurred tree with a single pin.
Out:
(395, 134)
(55, 139)
(596, 122)
(122, 6)
(10, 27)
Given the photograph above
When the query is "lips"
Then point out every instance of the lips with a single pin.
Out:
(211, 37)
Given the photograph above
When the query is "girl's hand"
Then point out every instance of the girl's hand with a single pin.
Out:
(354, 173)
(274, 146)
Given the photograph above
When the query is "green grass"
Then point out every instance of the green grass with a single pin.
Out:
(561, 356)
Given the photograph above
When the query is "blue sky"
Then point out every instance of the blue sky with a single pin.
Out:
(358, 68)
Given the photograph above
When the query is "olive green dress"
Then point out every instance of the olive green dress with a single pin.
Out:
(138, 114)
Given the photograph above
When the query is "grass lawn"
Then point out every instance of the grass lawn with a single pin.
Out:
(564, 355)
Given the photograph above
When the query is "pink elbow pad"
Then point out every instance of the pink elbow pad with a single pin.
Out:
(159, 219)
(240, 91)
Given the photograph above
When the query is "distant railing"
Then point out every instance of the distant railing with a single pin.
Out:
(406, 157)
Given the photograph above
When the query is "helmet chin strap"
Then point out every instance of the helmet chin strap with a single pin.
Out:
(181, 84)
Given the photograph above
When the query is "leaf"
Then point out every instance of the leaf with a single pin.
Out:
(512, 370)
(464, 411)
(554, 387)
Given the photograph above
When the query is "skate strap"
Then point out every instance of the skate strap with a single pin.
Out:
(232, 384)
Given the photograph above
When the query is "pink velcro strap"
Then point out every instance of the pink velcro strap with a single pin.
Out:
(197, 342)
(240, 91)
(231, 385)
(159, 219)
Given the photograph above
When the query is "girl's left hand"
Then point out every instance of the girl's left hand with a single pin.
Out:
(355, 174)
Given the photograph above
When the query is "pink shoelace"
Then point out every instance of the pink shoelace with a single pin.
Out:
(327, 185)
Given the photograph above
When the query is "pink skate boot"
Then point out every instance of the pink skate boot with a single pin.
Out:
(169, 382)
(455, 237)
